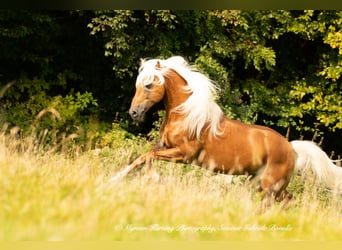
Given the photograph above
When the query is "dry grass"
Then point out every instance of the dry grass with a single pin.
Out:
(48, 195)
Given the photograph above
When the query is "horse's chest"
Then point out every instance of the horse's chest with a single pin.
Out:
(174, 135)
(170, 139)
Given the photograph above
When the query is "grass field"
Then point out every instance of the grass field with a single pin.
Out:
(48, 194)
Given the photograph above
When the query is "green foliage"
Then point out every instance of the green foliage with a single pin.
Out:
(41, 56)
(126, 42)
(262, 101)
(115, 137)
(280, 68)
(319, 101)
(69, 109)
(23, 39)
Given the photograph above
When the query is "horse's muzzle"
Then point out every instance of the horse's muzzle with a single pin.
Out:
(137, 112)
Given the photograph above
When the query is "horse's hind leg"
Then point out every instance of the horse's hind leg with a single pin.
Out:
(273, 183)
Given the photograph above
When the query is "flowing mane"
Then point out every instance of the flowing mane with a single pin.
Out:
(200, 108)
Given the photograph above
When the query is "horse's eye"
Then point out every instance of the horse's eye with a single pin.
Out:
(148, 86)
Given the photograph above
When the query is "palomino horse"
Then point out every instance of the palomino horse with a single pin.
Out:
(196, 131)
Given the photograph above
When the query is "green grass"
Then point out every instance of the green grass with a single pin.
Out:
(49, 195)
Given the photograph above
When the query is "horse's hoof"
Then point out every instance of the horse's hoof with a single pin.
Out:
(119, 176)
(115, 178)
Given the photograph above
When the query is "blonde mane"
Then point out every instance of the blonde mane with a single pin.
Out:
(200, 109)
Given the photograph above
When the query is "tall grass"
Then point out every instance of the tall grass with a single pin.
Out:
(63, 193)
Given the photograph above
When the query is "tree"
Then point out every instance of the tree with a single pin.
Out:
(38, 57)
(278, 68)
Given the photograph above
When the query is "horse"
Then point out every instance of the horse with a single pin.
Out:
(196, 131)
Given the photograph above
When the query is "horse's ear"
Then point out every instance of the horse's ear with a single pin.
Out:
(158, 65)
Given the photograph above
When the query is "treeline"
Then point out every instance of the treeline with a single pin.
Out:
(277, 68)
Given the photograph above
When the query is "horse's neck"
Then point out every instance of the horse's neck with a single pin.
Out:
(175, 93)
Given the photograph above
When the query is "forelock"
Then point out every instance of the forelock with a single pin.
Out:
(148, 72)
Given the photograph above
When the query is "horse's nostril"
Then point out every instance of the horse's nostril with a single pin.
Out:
(137, 112)
(133, 113)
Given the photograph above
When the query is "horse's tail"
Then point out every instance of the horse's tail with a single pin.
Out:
(309, 156)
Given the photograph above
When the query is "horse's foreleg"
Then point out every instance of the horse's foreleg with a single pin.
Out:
(136, 163)
(172, 154)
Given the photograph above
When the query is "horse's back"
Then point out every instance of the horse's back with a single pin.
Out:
(244, 148)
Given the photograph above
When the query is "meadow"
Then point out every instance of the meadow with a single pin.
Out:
(60, 192)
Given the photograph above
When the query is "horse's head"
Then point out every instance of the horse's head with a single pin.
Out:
(149, 89)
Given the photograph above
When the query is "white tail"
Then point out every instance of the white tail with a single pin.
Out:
(309, 156)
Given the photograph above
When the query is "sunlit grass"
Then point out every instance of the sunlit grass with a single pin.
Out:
(49, 194)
